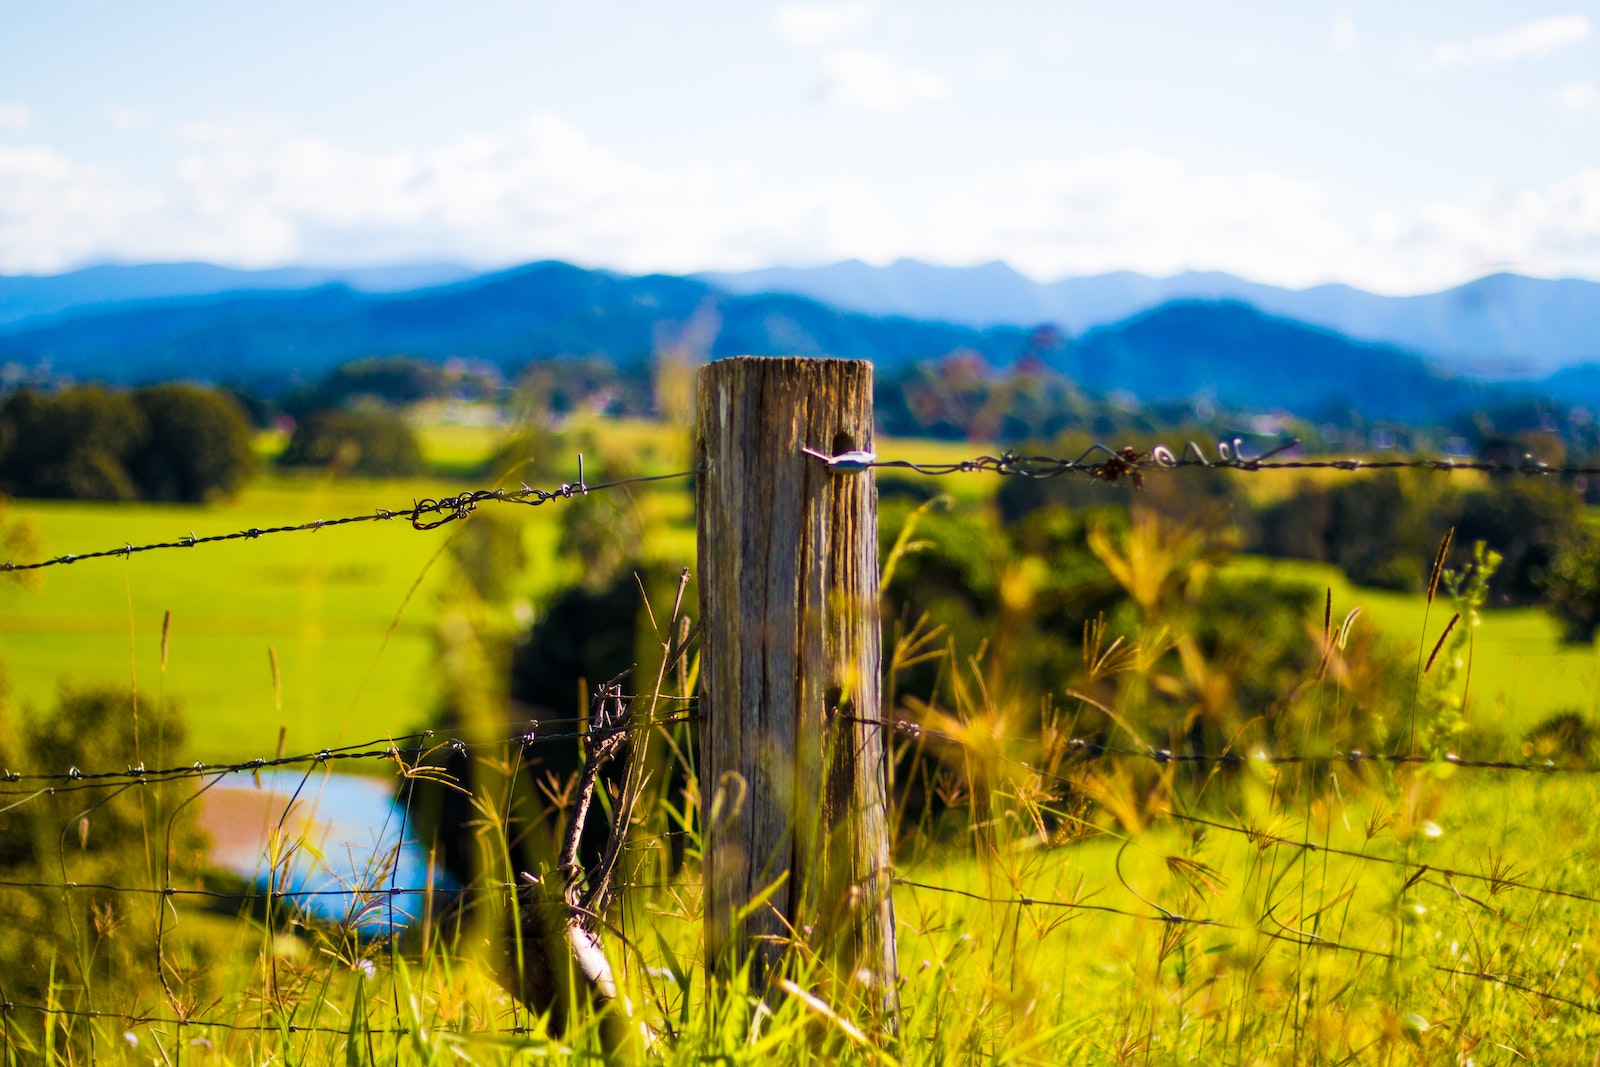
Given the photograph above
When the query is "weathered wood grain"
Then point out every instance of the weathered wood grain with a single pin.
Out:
(793, 779)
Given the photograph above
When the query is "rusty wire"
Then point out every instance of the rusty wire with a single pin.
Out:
(1102, 462)
(425, 514)
(1099, 462)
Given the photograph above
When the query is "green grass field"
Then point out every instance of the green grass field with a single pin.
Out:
(1522, 672)
(326, 602)
(1075, 916)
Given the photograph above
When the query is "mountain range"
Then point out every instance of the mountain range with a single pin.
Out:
(1237, 343)
(535, 312)
(1503, 326)
(31, 296)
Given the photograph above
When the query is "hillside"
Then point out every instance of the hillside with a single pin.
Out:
(534, 312)
(1501, 326)
(24, 296)
(1229, 352)
(1241, 358)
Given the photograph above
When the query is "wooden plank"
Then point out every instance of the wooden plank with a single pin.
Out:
(794, 767)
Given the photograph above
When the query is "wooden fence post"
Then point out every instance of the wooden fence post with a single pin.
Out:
(793, 766)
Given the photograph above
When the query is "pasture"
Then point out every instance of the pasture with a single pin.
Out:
(350, 611)
(1055, 905)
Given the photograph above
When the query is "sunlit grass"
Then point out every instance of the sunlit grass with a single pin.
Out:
(1092, 931)
(324, 600)
(1522, 671)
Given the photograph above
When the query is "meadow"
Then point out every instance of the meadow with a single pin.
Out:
(349, 613)
(1055, 905)
(350, 616)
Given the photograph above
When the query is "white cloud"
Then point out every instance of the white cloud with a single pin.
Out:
(126, 119)
(878, 81)
(992, 66)
(1549, 231)
(809, 25)
(1149, 213)
(1581, 97)
(1531, 40)
(15, 118)
(56, 212)
(1140, 211)
(260, 195)
(1343, 37)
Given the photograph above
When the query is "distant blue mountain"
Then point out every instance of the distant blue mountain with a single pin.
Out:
(1503, 326)
(1230, 352)
(26, 296)
(511, 318)
(1239, 357)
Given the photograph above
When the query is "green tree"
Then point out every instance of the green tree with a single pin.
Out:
(73, 445)
(197, 443)
(91, 940)
(165, 442)
(1528, 521)
(1572, 592)
(383, 381)
(374, 443)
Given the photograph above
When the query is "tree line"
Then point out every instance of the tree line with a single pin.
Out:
(179, 443)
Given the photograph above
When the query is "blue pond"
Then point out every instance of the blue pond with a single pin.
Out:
(342, 855)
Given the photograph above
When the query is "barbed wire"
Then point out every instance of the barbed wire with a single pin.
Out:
(537, 732)
(425, 514)
(1099, 462)
(368, 892)
(1496, 881)
(138, 1019)
(1071, 905)
(1102, 462)
(1354, 758)
(369, 896)
(1113, 466)
(1302, 938)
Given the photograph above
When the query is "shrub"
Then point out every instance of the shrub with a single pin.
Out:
(380, 381)
(1572, 592)
(1528, 521)
(165, 442)
(374, 443)
(107, 835)
(71, 445)
(197, 444)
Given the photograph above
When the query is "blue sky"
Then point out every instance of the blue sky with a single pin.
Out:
(1400, 148)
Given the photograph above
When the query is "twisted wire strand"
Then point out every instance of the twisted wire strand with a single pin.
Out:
(1099, 462)
(1102, 462)
(361, 891)
(420, 744)
(1089, 747)
(426, 514)
(1286, 935)
(1496, 882)
(1172, 918)
(136, 1018)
